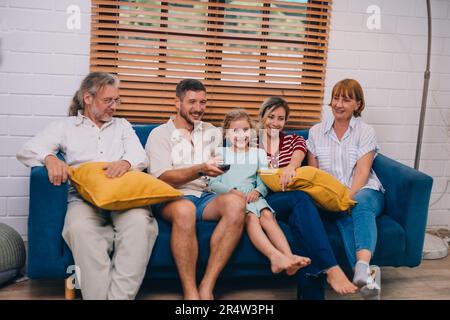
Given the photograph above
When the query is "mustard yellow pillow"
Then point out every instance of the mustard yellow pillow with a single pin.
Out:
(328, 192)
(133, 189)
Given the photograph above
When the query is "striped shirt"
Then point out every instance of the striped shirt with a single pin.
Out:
(288, 144)
(339, 157)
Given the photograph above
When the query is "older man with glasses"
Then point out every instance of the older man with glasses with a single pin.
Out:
(111, 248)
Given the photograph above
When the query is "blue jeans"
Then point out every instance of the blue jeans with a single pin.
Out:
(311, 239)
(359, 230)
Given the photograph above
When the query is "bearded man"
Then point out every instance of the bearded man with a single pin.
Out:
(181, 153)
(110, 248)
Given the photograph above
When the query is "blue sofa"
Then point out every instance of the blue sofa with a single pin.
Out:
(401, 230)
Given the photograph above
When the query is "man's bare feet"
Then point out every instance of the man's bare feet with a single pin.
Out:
(205, 292)
(191, 293)
(339, 281)
(297, 262)
(279, 262)
(191, 296)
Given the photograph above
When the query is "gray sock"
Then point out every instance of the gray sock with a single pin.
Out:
(362, 272)
(372, 290)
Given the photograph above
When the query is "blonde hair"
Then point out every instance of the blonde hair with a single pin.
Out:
(93, 83)
(238, 114)
(350, 88)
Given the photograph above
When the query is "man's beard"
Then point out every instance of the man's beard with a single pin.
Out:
(185, 116)
(100, 116)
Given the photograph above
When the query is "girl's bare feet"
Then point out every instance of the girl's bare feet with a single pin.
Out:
(297, 262)
(339, 281)
(279, 262)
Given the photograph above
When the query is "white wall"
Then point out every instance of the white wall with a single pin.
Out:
(42, 63)
(389, 63)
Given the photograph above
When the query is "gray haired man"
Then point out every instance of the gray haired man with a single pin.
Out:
(111, 248)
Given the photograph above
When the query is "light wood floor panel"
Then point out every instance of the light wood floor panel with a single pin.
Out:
(430, 281)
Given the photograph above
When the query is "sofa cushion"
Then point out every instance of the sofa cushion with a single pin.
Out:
(162, 253)
(390, 247)
(390, 232)
(244, 254)
(143, 131)
(133, 189)
(324, 189)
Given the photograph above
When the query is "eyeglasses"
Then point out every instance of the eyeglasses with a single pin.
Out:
(109, 101)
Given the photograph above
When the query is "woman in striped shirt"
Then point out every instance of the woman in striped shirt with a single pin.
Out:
(345, 147)
(287, 151)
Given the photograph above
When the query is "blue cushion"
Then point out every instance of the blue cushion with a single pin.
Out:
(162, 253)
(386, 254)
(143, 130)
(303, 133)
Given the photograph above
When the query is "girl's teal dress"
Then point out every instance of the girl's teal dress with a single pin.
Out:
(243, 175)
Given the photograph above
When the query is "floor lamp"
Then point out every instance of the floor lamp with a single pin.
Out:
(424, 93)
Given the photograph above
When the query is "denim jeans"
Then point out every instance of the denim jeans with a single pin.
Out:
(311, 239)
(359, 230)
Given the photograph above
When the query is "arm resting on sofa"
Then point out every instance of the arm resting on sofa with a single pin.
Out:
(48, 205)
(407, 198)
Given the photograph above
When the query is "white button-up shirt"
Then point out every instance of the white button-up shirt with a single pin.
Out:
(79, 140)
(169, 148)
(339, 157)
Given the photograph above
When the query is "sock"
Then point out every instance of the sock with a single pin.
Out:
(372, 290)
(362, 272)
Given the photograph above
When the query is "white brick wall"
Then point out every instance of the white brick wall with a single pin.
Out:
(2, 207)
(389, 63)
(42, 63)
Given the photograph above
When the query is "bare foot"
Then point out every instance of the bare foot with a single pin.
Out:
(205, 293)
(339, 281)
(191, 296)
(297, 262)
(191, 293)
(279, 262)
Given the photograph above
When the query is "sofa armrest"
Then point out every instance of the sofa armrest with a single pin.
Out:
(48, 205)
(406, 201)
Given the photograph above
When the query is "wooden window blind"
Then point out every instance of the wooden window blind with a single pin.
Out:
(242, 51)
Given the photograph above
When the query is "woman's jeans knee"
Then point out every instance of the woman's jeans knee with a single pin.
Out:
(359, 231)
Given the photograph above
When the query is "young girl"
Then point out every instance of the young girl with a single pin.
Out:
(262, 227)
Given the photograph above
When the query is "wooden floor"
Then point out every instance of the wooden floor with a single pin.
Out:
(430, 281)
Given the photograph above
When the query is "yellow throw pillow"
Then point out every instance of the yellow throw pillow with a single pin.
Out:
(324, 189)
(133, 189)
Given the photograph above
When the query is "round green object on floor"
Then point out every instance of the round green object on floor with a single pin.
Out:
(12, 253)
